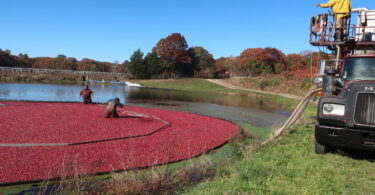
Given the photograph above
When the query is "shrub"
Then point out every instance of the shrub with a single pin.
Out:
(269, 82)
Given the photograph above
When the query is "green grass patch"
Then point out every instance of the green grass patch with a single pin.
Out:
(183, 84)
(260, 133)
(290, 166)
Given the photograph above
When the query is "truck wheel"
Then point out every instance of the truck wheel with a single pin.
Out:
(320, 149)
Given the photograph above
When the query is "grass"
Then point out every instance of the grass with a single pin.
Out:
(290, 166)
(183, 84)
(260, 133)
(285, 166)
(276, 83)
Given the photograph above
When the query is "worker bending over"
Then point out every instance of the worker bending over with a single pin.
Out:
(111, 108)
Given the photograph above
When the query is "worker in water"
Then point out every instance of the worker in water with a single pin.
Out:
(342, 9)
(86, 94)
(111, 108)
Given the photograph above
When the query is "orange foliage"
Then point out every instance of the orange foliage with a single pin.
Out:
(44, 63)
(268, 56)
(221, 65)
(174, 48)
(251, 53)
(295, 62)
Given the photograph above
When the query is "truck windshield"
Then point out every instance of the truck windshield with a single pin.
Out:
(359, 69)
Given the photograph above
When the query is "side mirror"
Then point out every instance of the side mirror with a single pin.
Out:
(318, 82)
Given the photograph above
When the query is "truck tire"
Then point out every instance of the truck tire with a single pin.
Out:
(320, 149)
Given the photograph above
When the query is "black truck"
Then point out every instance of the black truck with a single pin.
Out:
(346, 111)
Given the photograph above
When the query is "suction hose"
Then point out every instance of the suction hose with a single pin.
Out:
(294, 117)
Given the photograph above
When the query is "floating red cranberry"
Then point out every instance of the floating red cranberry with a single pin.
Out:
(187, 136)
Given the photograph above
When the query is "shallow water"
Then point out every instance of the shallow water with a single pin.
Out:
(240, 109)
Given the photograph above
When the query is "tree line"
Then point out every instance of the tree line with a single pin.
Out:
(171, 57)
(60, 62)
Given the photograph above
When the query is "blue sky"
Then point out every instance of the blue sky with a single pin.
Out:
(110, 30)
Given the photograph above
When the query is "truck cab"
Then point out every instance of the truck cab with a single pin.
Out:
(346, 111)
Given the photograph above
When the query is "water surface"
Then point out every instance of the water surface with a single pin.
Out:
(240, 109)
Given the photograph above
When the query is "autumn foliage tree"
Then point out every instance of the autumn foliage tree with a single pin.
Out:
(24, 60)
(60, 62)
(171, 57)
(44, 63)
(173, 49)
(314, 58)
(276, 59)
(252, 62)
(221, 66)
(295, 62)
(269, 60)
(306, 61)
(64, 63)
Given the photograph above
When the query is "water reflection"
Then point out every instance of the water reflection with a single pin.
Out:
(167, 97)
(244, 109)
(4, 92)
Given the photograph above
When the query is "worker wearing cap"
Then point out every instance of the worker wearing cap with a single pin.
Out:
(342, 9)
(111, 108)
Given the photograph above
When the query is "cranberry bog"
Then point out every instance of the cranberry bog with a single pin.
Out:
(40, 141)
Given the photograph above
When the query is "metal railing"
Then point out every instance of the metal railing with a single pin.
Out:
(323, 28)
(37, 70)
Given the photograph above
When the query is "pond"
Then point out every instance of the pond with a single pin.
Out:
(255, 111)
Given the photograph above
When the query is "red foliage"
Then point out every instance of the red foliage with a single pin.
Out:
(301, 73)
(188, 136)
(174, 48)
(223, 65)
(268, 56)
(276, 59)
(43, 63)
(251, 53)
(295, 61)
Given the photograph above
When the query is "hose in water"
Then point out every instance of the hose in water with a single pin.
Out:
(293, 117)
